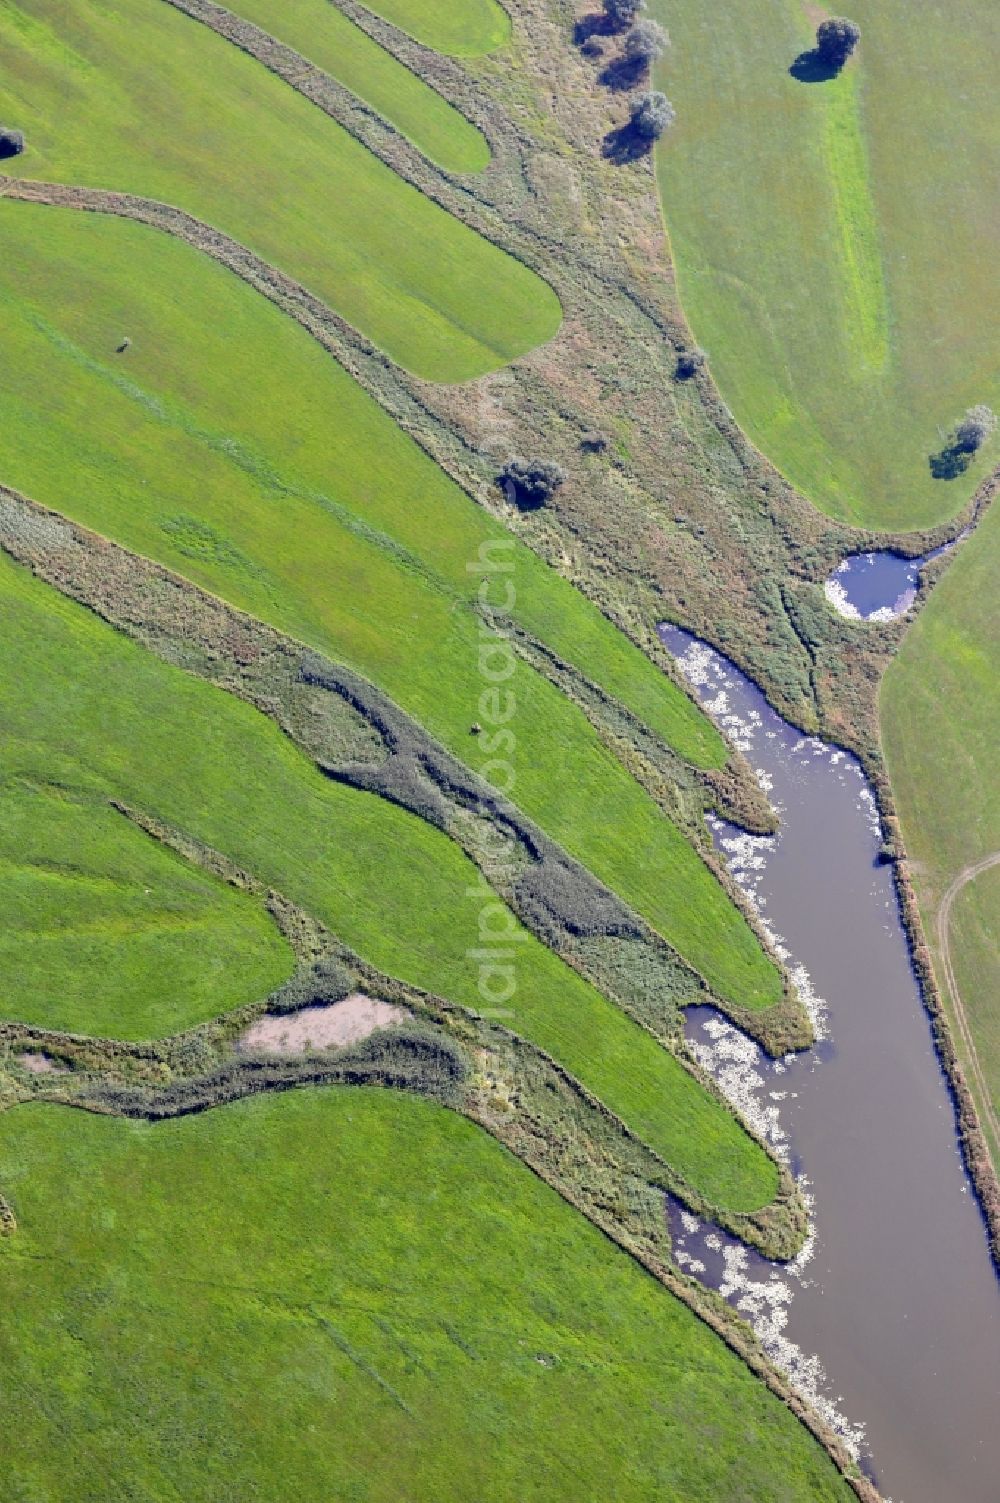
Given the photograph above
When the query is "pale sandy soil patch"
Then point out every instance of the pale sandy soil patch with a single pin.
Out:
(326, 1027)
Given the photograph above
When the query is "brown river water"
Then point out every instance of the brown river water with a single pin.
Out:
(891, 1319)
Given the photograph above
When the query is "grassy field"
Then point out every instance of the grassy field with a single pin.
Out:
(85, 708)
(835, 240)
(463, 28)
(228, 444)
(100, 922)
(349, 1295)
(209, 129)
(940, 726)
(324, 35)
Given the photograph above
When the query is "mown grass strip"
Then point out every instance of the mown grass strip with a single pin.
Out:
(212, 131)
(324, 35)
(462, 28)
(225, 443)
(374, 1276)
(101, 923)
(87, 708)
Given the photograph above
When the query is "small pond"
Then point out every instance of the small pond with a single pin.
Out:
(877, 586)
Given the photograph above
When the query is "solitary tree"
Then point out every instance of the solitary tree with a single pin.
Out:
(622, 13)
(651, 114)
(11, 142)
(645, 43)
(978, 424)
(836, 39)
(529, 483)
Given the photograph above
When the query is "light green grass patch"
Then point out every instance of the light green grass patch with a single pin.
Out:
(975, 945)
(211, 130)
(463, 28)
(85, 707)
(324, 35)
(229, 445)
(350, 1294)
(100, 922)
(835, 241)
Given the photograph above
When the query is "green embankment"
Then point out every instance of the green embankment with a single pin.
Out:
(463, 28)
(101, 923)
(835, 241)
(975, 946)
(229, 445)
(353, 1295)
(210, 130)
(941, 727)
(324, 35)
(93, 712)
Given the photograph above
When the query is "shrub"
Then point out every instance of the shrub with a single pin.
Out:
(622, 13)
(11, 142)
(645, 43)
(690, 362)
(529, 483)
(836, 39)
(652, 113)
(978, 424)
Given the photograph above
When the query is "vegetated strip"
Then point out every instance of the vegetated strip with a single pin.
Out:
(325, 707)
(676, 888)
(83, 704)
(425, 287)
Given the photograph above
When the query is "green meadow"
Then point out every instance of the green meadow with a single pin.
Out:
(940, 710)
(463, 28)
(835, 241)
(349, 1294)
(226, 443)
(89, 711)
(102, 924)
(324, 35)
(210, 130)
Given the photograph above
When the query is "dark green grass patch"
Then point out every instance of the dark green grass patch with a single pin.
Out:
(101, 923)
(212, 131)
(324, 35)
(350, 1294)
(85, 707)
(227, 444)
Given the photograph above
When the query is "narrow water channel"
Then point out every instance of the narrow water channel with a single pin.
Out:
(893, 1318)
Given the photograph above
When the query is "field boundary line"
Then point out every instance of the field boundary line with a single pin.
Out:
(966, 875)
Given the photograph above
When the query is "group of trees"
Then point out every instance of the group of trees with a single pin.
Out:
(644, 43)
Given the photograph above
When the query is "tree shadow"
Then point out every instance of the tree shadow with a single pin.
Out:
(813, 67)
(623, 73)
(11, 144)
(626, 144)
(587, 27)
(950, 462)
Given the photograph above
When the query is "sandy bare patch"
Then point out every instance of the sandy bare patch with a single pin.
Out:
(327, 1027)
(37, 1063)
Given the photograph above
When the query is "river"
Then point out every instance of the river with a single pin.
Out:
(892, 1318)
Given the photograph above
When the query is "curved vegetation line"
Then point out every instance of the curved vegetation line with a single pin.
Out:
(275, 540)
(321, 32)
(239, 149)
(969, 874)
(85, 707)
(835, 239)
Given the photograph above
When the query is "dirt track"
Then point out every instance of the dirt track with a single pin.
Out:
(967, 875)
